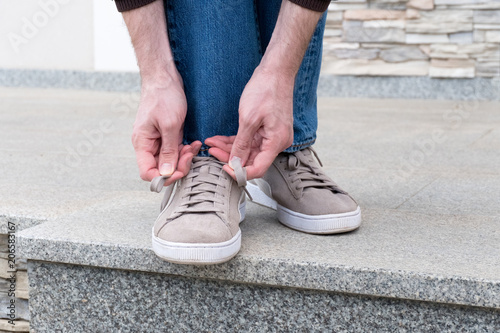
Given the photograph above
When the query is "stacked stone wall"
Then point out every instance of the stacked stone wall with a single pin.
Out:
(435, 38)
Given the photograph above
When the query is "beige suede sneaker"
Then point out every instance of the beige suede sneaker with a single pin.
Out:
(304, 196)
(200, 216)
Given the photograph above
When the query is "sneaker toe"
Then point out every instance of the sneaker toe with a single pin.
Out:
(205, 229)
(321, 202)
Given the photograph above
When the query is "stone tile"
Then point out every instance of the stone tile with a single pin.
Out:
(481, 6)
(101, 213)
(375, 67)
(447, 56)
(398, 24)
(448, 15)
(426, 38)
(472, 49)
(479, 36)
(374, 14)
(41, 202)
(459, 195)
(437, 27)
(332, 7)
(488, 68)
(415, 88)
(354, 53)
(492, 36)
(416, 270)
(374, 35)
(334, 16)
(333, 33)
(216, 306)
(341, 46)
(487, 26)
(421, 4)
(412, 14)
(97, 172)
(20, 326)
(487, 16)
(462, 37)
(403, 53)
(452, 68)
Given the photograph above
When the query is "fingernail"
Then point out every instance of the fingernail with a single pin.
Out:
(234, 158)
(166, 169)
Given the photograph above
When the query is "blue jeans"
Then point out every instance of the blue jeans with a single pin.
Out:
(217, 45)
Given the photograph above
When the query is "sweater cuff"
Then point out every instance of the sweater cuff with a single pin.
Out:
(316, 5)
(124, 5)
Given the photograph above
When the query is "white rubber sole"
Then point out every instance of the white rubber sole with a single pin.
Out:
(313, 224)
(199, 253)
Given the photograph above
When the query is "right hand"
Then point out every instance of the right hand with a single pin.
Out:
(158, 131)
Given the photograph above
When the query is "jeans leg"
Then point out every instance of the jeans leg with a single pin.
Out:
(216, 48)
(305, 119)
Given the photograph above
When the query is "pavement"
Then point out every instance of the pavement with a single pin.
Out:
(425, 173)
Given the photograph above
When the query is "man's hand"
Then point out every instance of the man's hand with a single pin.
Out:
(266, 105)
(157, 135)
(265, 124)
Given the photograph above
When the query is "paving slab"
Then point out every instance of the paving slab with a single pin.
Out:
(423, 237)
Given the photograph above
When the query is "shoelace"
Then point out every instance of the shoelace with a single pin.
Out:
(204, 193)
(306, 174)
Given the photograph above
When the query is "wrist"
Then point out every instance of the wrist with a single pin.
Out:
(160, 78)
(274, 62)
(157, 70)
(277, 72)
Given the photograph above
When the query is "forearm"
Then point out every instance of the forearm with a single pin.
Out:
(148, 32)
(290, 39)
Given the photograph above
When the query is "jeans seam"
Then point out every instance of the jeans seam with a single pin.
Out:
(257, 27)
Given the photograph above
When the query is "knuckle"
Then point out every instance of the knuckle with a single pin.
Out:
(250, 119)
(242, 145)
(144, 175)
(168, 151)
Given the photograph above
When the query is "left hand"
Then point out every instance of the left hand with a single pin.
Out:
(265, 124)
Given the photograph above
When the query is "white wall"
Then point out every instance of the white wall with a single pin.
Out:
(112, 47)
(64, 35)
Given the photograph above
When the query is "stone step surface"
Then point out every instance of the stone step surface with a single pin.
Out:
(424, 173)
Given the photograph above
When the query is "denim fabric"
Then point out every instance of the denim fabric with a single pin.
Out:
(217, 45)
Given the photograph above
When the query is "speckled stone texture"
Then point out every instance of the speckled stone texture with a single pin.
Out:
(108, 81)
(411, 87)
(66, 298)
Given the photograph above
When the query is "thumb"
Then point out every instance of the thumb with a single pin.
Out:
(169, 154)
(242, 145)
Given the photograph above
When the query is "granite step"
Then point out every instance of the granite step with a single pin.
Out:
(427, 257)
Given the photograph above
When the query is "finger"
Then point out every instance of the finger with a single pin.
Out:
(261, 163)
(172, 179)
(224, 143)
(196, 147)
(169, 153)
(230, 171)
(242, 144)
(184, 149)
(219, 154)
(146, 162)
(220, 138)
(185, 163)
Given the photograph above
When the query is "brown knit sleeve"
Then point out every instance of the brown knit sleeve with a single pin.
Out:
(316, 5)
(124, 5)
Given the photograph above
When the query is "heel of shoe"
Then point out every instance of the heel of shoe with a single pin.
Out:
(259, 196)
